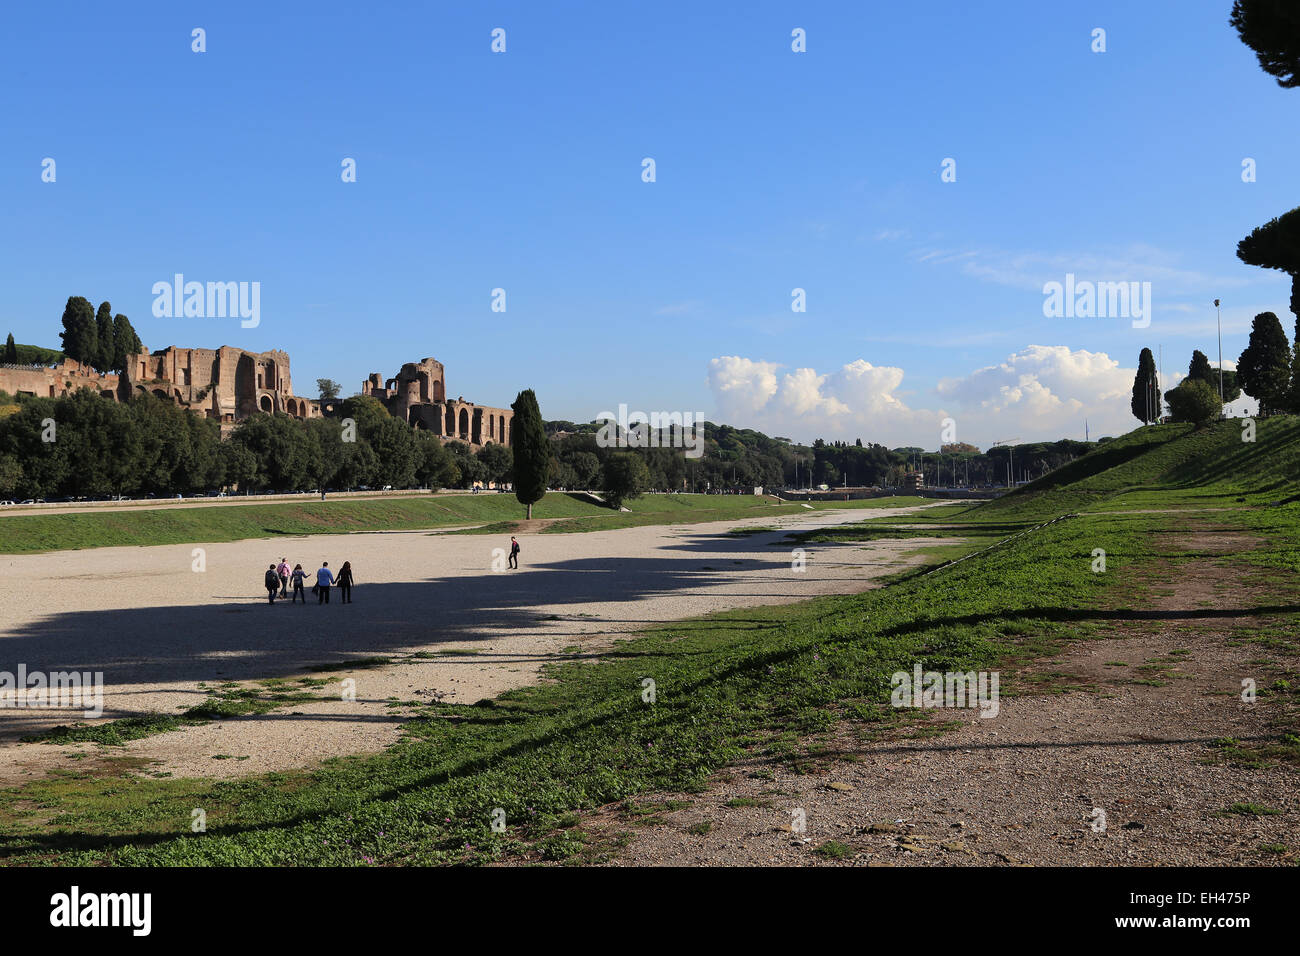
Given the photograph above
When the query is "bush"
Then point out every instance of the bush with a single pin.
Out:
(1194, 401)
(626, 476)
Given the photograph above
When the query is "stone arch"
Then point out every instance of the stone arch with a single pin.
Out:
(291, 407)
(162, 393)
(264, 403)
(451, 422)
(462, 430)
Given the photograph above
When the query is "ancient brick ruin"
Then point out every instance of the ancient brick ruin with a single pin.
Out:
(226, 384)
(230, 384)
(418, 395)
(63, 379)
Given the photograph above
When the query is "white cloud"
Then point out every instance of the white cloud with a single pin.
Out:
(1041, 393)
(857, 401)
(740, 385)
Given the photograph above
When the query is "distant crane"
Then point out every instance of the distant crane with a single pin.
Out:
(1011, 469)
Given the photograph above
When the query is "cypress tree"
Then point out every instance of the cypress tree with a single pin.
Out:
(1293, 396)
(125, 342)
(1201, 370)
(104, 337)
(11, 351)
(532, 450)
(1146, 390)
(1264, 369)
(80, 334)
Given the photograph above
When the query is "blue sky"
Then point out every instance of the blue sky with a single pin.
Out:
(775, 170)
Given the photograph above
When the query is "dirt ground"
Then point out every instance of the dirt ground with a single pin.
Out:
(166, 636)
(1117, 772)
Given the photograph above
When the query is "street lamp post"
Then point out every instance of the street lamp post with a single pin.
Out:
(1218, 321)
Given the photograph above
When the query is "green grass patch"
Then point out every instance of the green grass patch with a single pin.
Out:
(490, 514)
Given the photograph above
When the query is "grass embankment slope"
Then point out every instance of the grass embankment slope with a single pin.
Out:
(138, 527)
(1161, 468)
(765, 683)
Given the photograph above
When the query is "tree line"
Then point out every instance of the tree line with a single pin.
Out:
(98, 447)
(83, 445)
(16, 354)
(740, 459)
(1199, 397)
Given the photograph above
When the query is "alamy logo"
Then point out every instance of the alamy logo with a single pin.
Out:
(74, 909)
(82, 690)
(639, 430)
(1075, 299)
(213, 300)
(949, 689)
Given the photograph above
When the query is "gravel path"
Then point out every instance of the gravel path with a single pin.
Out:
(1122, 773)
(158, 629)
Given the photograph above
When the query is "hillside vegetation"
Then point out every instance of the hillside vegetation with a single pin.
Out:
(1171, 466)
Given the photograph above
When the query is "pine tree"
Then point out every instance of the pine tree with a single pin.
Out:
(80, 334)
(1272, 29)
(1146, 390)
(1264, 369)
(532, 450)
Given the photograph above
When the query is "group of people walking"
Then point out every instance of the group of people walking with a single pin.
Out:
(279, 578)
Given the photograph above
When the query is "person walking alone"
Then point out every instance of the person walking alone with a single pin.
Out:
(297, 576)
(344, 581)
(324, 578)
(272, 583)
(283, 571)
(514, 552)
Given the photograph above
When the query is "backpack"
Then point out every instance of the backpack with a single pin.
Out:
(272, 579)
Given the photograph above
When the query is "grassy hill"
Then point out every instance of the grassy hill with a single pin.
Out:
(1170, 466)
(1157, 468)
